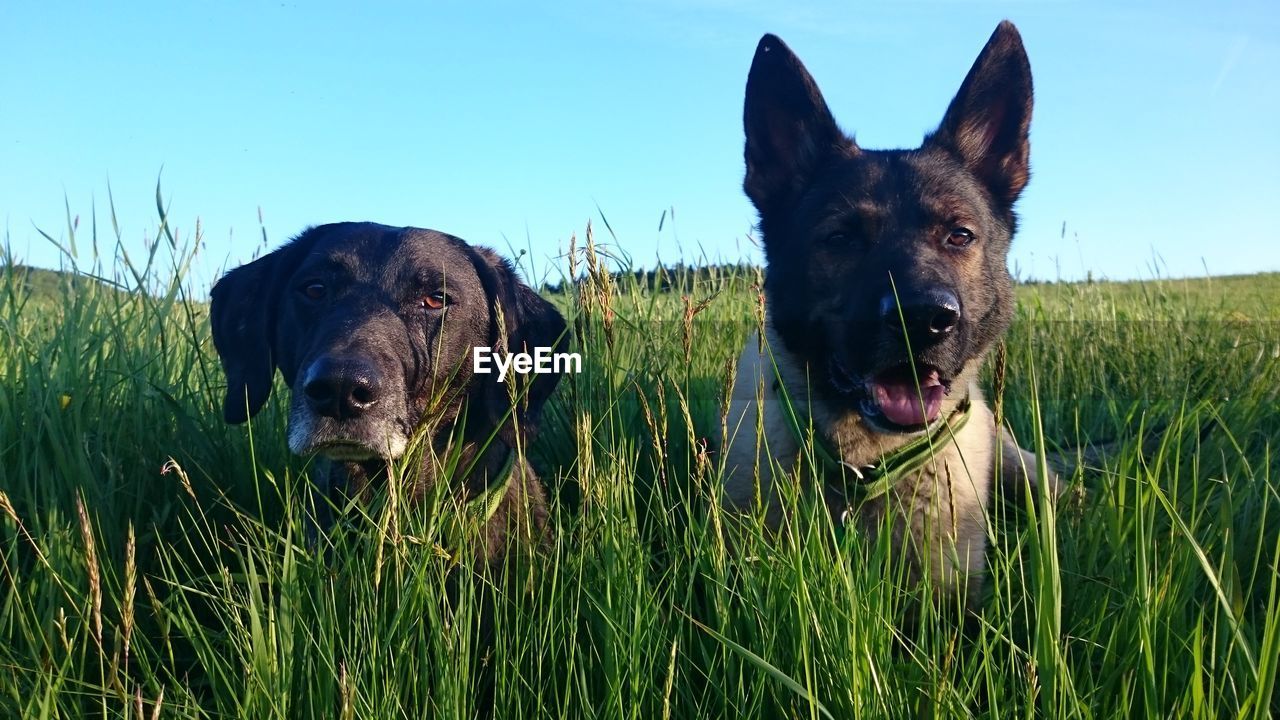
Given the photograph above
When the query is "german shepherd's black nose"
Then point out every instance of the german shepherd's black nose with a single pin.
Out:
(341, 389)
(928, 316)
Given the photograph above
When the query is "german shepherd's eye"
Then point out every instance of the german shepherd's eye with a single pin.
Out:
(960, 237)
(434, 301)
(314, 290)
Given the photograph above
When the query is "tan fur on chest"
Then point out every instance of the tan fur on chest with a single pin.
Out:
(938, 514)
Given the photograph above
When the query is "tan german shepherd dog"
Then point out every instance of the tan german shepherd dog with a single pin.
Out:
(886, 287)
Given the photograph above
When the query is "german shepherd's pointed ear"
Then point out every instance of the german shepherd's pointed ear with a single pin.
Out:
(243, 317)
(530, 322)
(987, 124)
(788, 126)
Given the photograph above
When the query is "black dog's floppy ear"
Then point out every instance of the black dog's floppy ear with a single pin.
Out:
(788, 126)
(243, 314)
(988, 122)
(242, 331)
(529, 322)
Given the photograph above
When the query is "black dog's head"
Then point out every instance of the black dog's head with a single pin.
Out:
(872, 252)
(373, 329)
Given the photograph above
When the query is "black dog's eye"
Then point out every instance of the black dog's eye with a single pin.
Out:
(960, 237)
(843, 239)
(315, 290)
(434, 301)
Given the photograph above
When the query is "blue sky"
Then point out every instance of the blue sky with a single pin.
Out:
(508, 124)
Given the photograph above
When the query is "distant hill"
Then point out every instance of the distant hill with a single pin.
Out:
(1248, 296)
(1259, 291)
(45, 284)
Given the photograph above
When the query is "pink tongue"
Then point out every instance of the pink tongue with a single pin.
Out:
(902, 405)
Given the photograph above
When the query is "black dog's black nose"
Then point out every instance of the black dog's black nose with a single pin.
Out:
(928, 316)
(341, 389)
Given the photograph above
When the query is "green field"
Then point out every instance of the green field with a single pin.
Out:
(150, 556)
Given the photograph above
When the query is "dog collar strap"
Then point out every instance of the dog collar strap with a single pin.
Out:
(484, 506)
(870, 481)
(876, 480)
(478, 510)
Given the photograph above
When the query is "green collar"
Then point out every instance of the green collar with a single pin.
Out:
(482, 507)
(869, 481)
(479, 510)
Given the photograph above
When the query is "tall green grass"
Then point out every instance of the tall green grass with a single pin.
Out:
(151, 561)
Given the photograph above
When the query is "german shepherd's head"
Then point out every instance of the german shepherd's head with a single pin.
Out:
(887, 269)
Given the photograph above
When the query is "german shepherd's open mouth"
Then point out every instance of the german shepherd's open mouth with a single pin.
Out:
(905, 398)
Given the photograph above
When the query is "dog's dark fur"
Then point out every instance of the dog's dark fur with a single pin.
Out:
(345, 313)
(870, 252)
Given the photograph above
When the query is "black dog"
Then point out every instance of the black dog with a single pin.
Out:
(373, 329)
